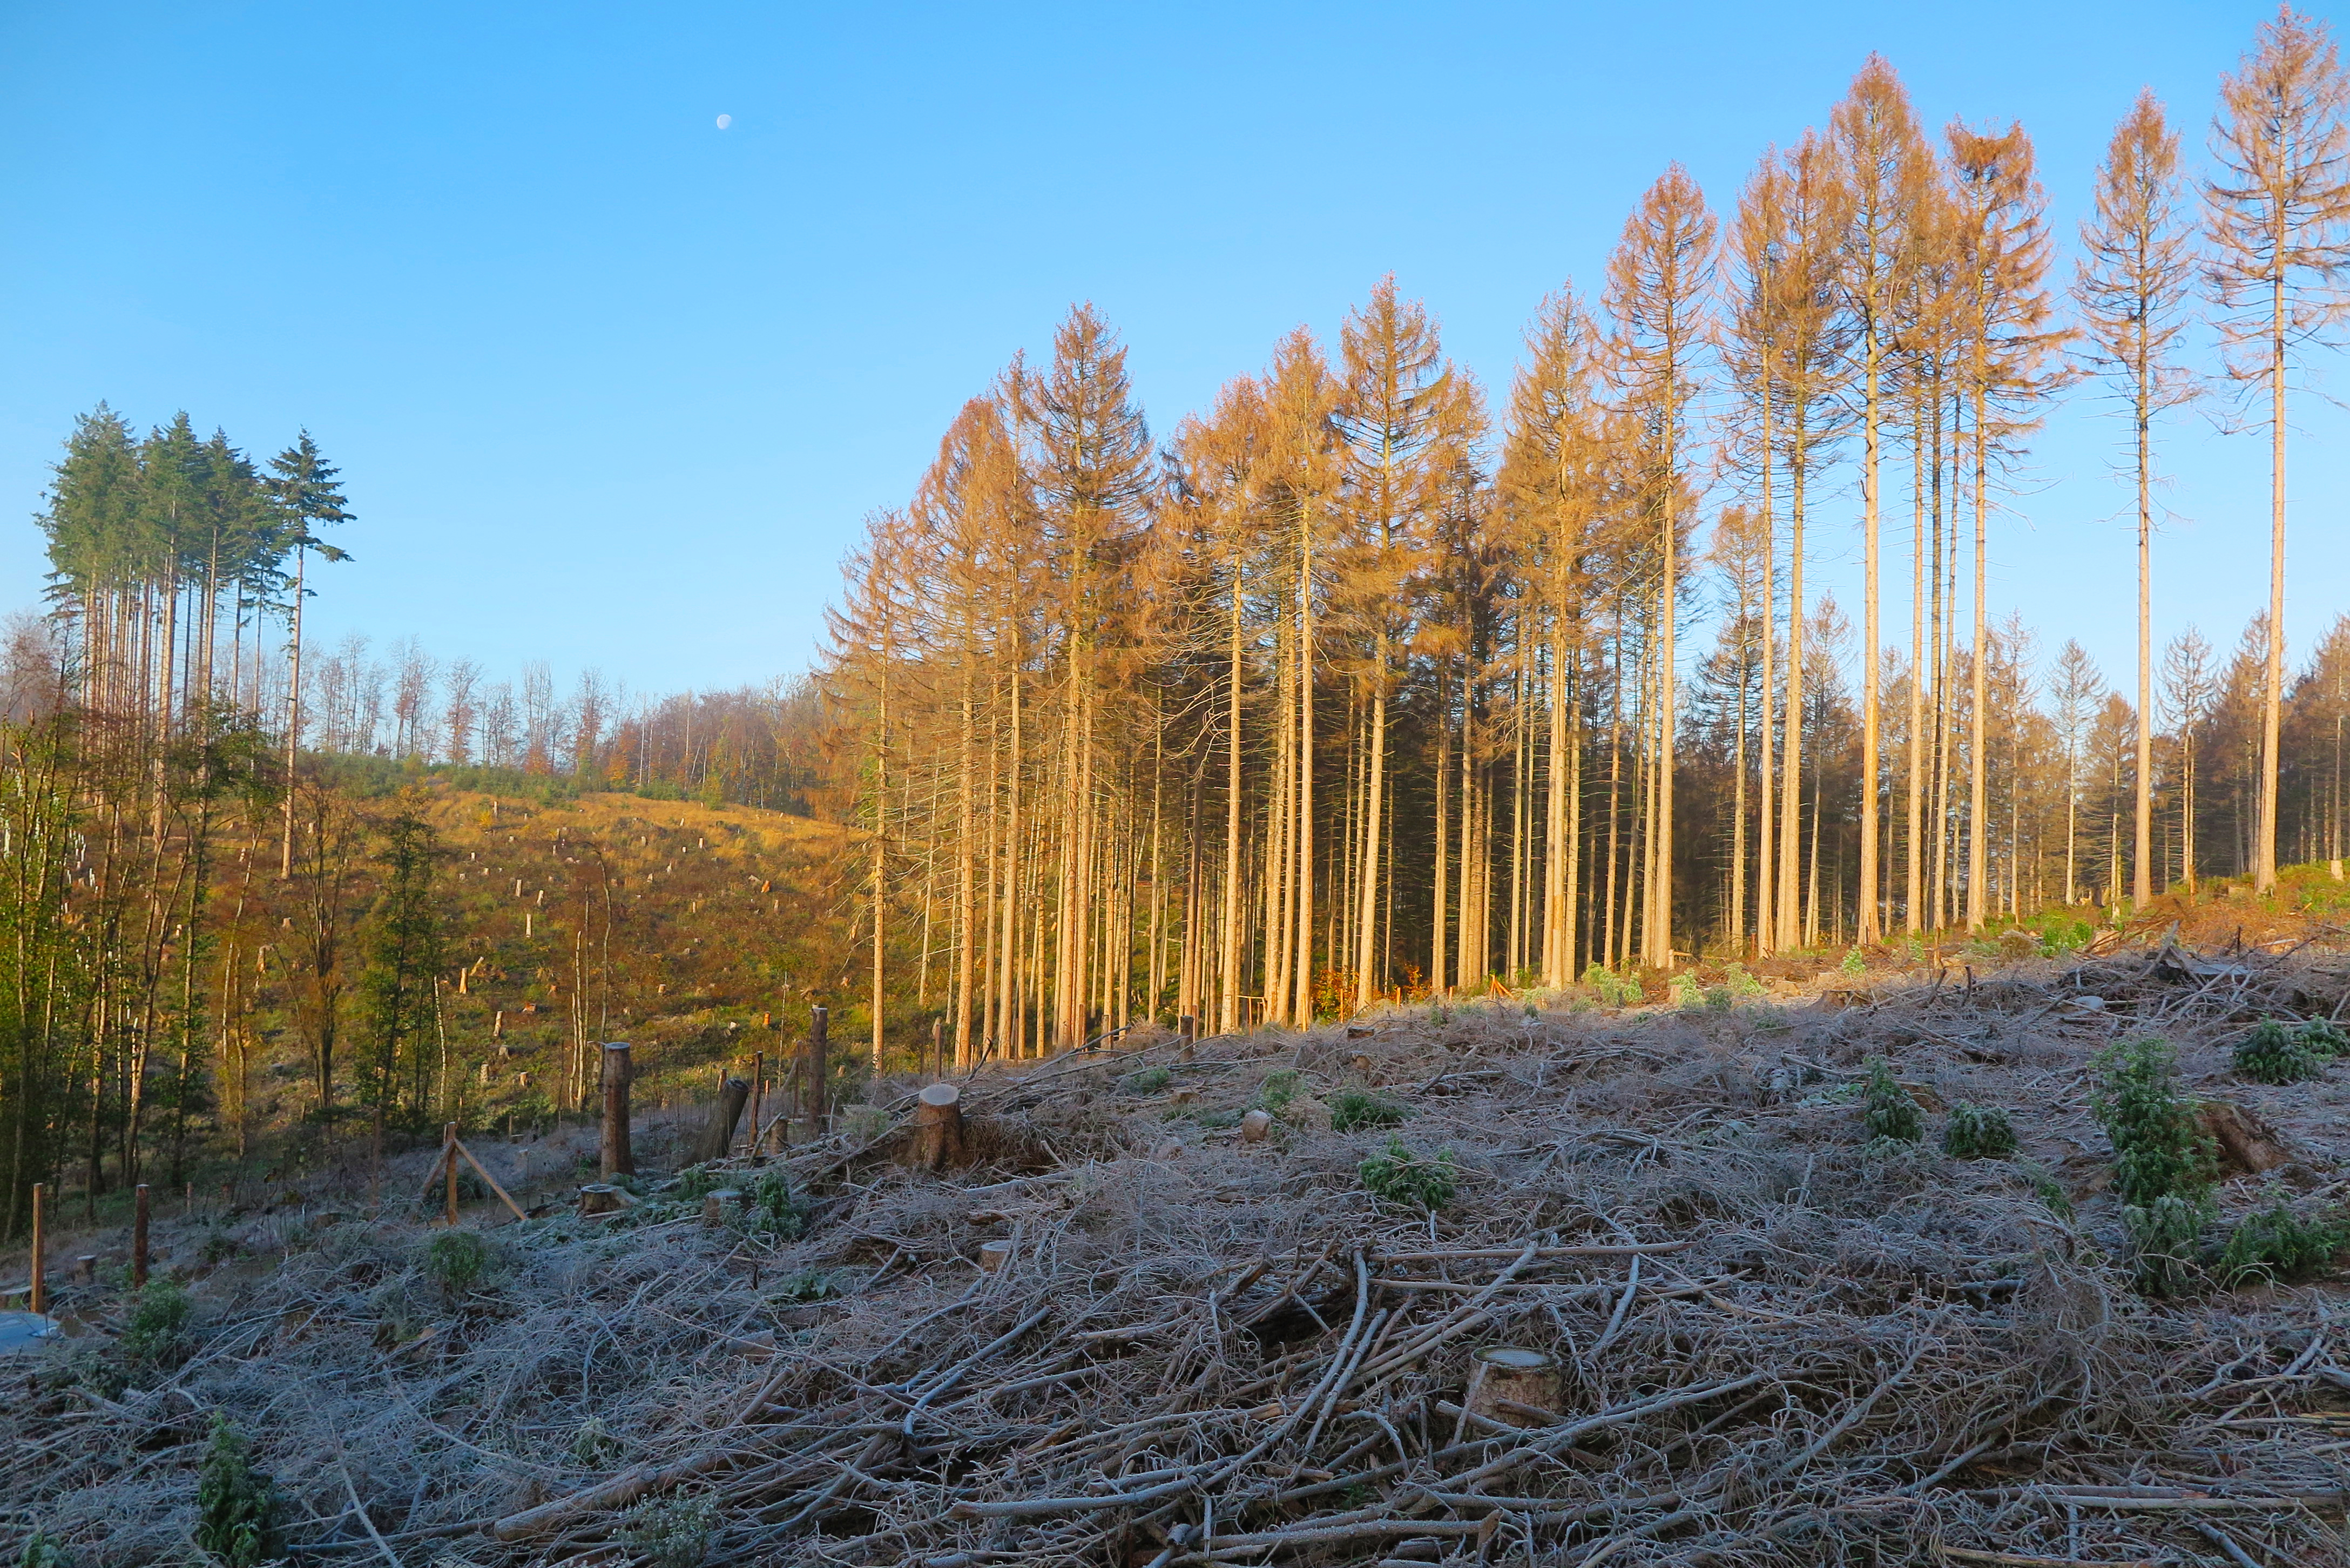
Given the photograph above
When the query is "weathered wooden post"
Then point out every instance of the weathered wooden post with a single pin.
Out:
(1187, 1032)
(937, 1142)
(449, 1169)
(938, 1045)
(139, 1238)
(758, 1099)
(817, 1067)
(718, 1134)
(40, 1243)
(618, 1068)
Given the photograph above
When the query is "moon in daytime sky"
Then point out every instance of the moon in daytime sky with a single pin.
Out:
(724, 120)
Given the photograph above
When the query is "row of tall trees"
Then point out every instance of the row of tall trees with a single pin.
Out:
(1342, 688)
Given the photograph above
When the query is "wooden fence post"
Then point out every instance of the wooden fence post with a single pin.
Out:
(139, 1238)
(449, 1164)
(618, 1068)
(758, 1099)
(818, 1069)
(40, 1243)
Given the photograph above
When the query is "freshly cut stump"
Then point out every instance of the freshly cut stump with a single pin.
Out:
(1514, 1387)
(598, 1197)
(937, 1140)
(1255, 1126)
(994, 1255)
(718, 1207)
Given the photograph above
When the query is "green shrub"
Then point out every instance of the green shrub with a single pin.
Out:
(2162, 1161)
(41, 1551)
(2159, 1148)
(1743, 987)
(1149, 1081)
(696, 1182)
(772, 1210)
(1854, 965)
(669, 1531)
(2162, 1242)
(1891, 1113)
(2274, 1243)
(804, 1285)
(1278, 1090)
(154, 1335)
(1615, 990)
(2276, 1052)
(2051, 1193)
(593, 1447)
(2323, 1034)
(236, 1506)
(1687, 994)
(455, 1260)
(1355, 1108)
(1978, 1132)
(1398, 1175)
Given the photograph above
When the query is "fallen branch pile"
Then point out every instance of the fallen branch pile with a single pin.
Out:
(1753, 1340)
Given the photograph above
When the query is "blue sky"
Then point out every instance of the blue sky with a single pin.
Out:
(613, 386)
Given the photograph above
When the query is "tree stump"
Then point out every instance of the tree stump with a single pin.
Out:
(937, 1140)
(1508, 1383)
(618, 1068)
(1255, 1126)
(994, 1255)
(598, 1197)
(723, 1206)
(717, 1138)
(2246, 1142)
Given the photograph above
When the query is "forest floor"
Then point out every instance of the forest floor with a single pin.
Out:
(1125, 1331)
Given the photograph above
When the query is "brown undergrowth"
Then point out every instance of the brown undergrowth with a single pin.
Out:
(1776, 1341)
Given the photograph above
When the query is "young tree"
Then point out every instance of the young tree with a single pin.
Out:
(398, 995)
(2279, 229)
(2132, 283)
